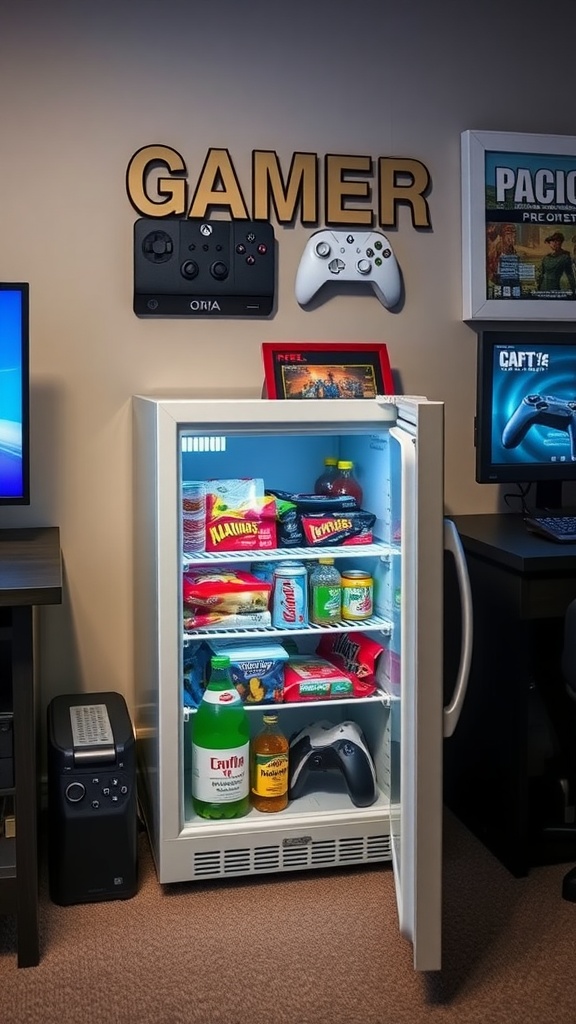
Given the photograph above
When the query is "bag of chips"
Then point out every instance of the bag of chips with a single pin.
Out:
(227, 591)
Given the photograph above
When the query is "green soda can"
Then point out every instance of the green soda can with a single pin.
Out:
(221, 748)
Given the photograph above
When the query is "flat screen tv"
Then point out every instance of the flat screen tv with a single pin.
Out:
(525, 430)
(14, 395)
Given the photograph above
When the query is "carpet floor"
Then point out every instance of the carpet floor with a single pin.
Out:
(302, 948)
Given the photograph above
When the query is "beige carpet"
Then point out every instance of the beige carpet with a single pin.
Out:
(304, 948)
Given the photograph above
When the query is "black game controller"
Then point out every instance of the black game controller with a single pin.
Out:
(544, 409)
(197, 268)
(326, 747)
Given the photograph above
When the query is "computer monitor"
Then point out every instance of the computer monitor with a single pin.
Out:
(14, 395)
(525, 429)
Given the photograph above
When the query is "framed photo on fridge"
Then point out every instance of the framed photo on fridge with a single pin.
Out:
(300, 370)
(518, 226)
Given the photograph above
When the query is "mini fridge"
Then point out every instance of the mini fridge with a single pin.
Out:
(396, 446)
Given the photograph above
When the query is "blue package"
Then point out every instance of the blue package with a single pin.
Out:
(195, 667)
(257, 669)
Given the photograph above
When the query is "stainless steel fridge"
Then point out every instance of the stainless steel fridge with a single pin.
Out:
(396, 446)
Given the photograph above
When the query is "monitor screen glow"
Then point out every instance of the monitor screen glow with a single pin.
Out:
(526, 407)
(14, 394)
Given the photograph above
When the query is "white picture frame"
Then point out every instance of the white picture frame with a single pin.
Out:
(527, 184)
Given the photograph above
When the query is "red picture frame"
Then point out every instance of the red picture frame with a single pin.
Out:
(300, 370)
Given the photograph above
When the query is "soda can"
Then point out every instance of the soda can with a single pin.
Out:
(357, 595)
(290, 595)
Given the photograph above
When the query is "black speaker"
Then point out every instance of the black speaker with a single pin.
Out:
(92, 800)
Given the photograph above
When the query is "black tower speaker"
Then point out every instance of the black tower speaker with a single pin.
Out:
(92, 802)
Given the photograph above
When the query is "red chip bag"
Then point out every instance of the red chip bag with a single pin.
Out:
(353, 652)
(225, 590)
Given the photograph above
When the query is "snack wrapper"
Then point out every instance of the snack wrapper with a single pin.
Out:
(257, 669)
(236, 492)
(247, 526)
(198, 620)
(308, 677)
(343, 528)
(227, 591)
(354, 652)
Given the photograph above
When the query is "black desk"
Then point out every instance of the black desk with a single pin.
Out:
(510, 768)
(30, 575)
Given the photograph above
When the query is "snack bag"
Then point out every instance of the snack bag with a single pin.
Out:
(344, 528)
(257, 669)
(235, 493)
(354, 652)
(196, 657)
(308, 677)
(201, 619)
(227, 591)
(250, 525)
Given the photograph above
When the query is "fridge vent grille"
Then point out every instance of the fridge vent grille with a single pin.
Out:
(378, 848)
(267, 858)
(321, 854)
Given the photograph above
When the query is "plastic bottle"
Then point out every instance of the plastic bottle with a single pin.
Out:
(221, 748)
(269, 767)
(325, 593)
(325, 482)
(346, 482)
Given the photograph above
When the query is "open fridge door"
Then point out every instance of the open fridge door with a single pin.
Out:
(417, 724)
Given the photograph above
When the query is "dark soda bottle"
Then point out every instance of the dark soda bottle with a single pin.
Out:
(325, 482)
(221, 748)
(346, 482)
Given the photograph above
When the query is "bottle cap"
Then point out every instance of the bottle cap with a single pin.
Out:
(330, 461)
(220, 661)
(344, 464)
(326, 561)
(270, 719)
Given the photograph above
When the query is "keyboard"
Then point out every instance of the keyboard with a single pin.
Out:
(559, 528)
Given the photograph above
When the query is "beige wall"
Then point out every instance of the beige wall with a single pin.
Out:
(83, 85)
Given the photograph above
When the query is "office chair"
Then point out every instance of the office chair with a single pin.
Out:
(569, 672)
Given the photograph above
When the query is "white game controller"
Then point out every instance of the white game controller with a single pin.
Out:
(349, 256)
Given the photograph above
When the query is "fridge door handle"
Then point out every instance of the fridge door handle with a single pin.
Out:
(453, 544)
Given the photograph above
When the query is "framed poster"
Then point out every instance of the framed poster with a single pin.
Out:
(300, 370)
(518, 226)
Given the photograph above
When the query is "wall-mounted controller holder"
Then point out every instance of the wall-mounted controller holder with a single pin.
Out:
(197, 268)
(92, 802)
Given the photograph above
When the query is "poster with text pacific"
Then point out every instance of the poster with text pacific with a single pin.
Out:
(530, 203)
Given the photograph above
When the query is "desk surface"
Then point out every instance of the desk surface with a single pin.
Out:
(503, 539)
(30, 566)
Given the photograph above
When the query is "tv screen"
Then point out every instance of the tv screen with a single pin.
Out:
(14, 394)
(526, 407)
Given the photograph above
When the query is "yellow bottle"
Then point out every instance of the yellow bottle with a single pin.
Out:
(269, 767)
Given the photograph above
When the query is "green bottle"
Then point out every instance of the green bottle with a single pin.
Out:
(221, 748)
